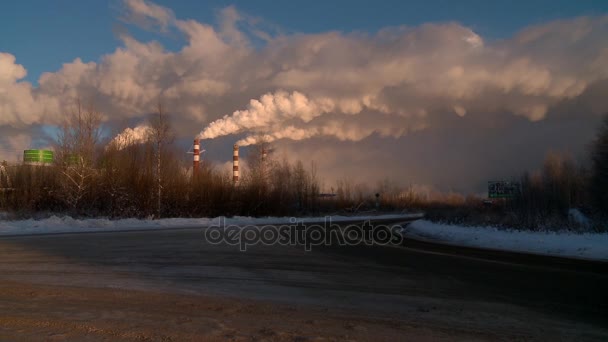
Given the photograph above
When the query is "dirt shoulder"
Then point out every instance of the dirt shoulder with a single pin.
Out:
(55, 313)
(171, 285)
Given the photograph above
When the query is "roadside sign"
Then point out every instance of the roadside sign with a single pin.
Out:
(503, 189)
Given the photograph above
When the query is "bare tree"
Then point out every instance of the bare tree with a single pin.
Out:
(77, 141)
(314, 186)
(160, 135)
(599, 178)
(4, 176)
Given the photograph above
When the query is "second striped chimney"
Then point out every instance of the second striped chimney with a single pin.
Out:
(235, 164)
(196, 155)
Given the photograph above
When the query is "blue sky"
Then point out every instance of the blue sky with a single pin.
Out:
(437, 93)
(45, 34)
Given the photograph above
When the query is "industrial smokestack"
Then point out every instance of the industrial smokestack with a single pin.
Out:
(196, 155)
(264, 155)
(264, 167)
(235, 164)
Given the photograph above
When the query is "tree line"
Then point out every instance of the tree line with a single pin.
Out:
(151, 179)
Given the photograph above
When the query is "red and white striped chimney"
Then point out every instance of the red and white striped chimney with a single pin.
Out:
(196, 155)
(235, 164)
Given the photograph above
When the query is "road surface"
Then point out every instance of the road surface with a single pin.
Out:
(170, 285)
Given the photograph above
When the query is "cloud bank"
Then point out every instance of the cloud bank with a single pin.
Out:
(371, 88)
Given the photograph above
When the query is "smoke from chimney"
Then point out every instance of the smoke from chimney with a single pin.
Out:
(269, 110)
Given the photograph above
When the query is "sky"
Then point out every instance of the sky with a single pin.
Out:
(45, 34)
(369, 89)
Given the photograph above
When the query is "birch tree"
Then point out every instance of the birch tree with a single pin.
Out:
(160, 135)
(77, 140)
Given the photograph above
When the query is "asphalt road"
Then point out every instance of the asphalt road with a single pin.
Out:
(506, 295)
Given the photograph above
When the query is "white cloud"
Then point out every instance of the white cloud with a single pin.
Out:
(349, 86)
(9, 71)
(399, 71)
(146, 13)
(11, 149)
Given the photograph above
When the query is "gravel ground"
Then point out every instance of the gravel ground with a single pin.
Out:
(172, 286)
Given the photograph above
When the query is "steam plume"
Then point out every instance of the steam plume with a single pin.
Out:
(131, 136)
(270, 110)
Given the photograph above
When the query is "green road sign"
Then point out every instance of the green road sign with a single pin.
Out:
(503, 189)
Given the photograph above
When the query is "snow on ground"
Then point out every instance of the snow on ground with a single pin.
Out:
(67, 224)
(577, 217)
(565, 244)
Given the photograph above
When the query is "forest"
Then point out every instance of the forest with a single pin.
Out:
(153, 180)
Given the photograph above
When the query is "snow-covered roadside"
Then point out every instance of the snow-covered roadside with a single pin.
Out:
(67, 224)
(592, 246)
(566, 244)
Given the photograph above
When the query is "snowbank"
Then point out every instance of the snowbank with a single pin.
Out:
(565, 244)
(67, 224)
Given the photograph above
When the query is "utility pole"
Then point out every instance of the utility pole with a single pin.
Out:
(159, 145)
(160, 132)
